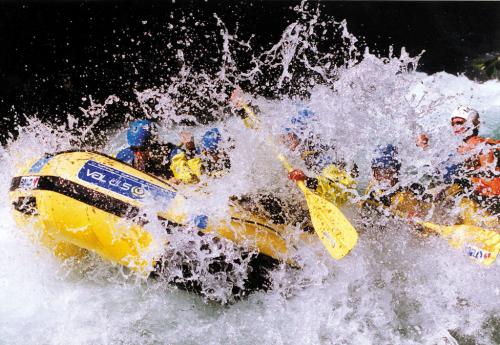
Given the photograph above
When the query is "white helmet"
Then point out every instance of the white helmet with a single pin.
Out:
(466, 113)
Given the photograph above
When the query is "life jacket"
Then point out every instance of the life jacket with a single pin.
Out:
(332, 181)
(189, 166)
(485, 185)
(184, 166)
(473, 161)
(380, 196)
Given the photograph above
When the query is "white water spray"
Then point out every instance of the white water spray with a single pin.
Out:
(395, 287)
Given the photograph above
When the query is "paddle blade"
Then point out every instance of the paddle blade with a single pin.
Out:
(336, 232)
(481, 245)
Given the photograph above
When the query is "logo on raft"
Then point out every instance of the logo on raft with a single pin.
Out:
(122, 183)
(477, 254)
(29, 182)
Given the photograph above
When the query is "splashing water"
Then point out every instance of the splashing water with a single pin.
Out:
(395, 287)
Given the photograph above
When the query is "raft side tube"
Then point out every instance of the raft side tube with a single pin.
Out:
(92, 201)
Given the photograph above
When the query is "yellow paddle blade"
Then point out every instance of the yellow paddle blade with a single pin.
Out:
(481, 245)
(332, 227)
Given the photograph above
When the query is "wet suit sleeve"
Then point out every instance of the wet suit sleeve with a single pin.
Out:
(126, 155)
(333, 184)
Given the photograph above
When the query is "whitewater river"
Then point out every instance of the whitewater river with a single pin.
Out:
(395, 287)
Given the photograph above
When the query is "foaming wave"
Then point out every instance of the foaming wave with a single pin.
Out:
(396, 286)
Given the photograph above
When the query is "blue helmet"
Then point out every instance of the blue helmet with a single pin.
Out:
(140, 133)
(302, 119)
(386, 158)
(210, 140)
(301, 122)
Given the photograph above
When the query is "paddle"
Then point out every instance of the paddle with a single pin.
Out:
(487, 242)
(332, 227)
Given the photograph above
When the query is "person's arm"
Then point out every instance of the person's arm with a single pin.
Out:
(126, 155)
(422, 141)
(188, 141)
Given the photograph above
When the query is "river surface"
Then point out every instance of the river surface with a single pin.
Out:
(395, 287)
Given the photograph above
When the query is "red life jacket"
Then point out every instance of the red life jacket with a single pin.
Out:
(489, 186)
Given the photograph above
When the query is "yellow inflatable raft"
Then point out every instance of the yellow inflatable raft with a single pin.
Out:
(85, 200)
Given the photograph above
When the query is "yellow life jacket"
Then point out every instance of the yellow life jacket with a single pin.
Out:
(335, 185)
(188, 171)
